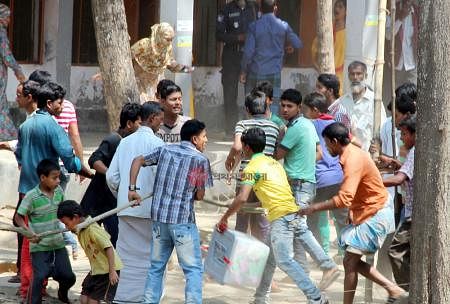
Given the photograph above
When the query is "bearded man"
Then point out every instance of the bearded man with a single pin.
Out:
(359, 103)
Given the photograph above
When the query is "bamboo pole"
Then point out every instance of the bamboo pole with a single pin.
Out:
(378, 81)
(394, 146)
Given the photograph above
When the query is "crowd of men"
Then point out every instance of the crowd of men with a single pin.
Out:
(298, 157)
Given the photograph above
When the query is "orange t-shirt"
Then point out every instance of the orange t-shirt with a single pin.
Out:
(362, 190)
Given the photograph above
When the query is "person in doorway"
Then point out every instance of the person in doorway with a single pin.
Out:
(264, 51)
(231, 29)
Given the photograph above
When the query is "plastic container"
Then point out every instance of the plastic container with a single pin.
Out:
(235, 258)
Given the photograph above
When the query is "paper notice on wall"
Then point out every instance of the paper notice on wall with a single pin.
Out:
(184, 26)
(184, 41)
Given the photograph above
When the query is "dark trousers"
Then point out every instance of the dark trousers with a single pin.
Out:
(111, 224)
(19, 236)
(258, 224)
(54, 264)
(399, 254)
(230, 82)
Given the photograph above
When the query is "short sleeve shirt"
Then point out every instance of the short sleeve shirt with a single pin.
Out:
(41, 213)
(94, 240)
(172, 134)
(270, 129)
(68, 116)
(408, 169)
(268, 179)
(300, 141)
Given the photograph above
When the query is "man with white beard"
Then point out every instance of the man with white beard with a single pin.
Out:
(359, 103)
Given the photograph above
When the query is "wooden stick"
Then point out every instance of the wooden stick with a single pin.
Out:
(11, 228)
(255, 210)
(99, 217)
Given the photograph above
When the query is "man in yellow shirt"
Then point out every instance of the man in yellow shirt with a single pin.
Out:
(269, 182)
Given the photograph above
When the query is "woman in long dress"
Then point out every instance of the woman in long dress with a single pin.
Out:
(7, 128)
(151, 57)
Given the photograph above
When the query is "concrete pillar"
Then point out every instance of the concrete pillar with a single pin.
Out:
(182, 21)
(64, 44)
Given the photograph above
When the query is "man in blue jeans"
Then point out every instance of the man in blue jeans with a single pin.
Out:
(182, 174)
(300, 148)
(267, 178)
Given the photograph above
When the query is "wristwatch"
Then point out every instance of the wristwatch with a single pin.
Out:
(133, 188)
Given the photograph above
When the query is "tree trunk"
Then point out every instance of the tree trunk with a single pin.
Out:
(325, 45)
(430, 260)
(114, 56)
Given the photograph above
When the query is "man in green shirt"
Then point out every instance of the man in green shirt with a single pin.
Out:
(300, 148)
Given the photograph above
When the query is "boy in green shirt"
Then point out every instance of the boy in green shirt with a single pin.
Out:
(267, 178)
(49, 256)
(101, 282)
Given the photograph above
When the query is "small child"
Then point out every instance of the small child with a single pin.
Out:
(100, 283)
(49, 256)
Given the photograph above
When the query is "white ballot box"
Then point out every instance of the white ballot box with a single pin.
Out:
(235, 258)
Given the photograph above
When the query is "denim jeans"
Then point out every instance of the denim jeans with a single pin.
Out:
(185, 238)
(304, 193)
(283, 233)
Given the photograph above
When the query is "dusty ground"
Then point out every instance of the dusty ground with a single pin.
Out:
(207, 216)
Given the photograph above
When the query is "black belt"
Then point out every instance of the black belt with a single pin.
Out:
(296, 182)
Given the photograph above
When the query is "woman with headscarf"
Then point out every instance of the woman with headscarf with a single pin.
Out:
(7, 129)
(151, 57)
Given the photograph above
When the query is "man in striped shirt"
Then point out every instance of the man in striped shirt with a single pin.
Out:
(256, 106)
(328, 85)
(182, 174)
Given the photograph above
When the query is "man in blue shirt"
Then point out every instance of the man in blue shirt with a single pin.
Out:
(264, 49)
(231, 28)
(182, 174)
(40, 137)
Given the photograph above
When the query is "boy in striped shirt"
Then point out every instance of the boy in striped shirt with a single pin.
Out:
(48, 255)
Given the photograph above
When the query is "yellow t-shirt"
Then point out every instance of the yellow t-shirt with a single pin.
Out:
(269, 181)
(94, 240)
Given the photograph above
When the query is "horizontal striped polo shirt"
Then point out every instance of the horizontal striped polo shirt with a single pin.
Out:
(41, 213)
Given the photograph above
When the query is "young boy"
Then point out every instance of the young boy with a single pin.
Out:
(328, 172)
(399, 251)
(101, 282)
(267, 178)
(49, 256)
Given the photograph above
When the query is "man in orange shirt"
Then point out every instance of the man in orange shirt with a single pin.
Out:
(363, 193)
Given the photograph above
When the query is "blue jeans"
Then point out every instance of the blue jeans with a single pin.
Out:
(304, 193)
(283, 233)
(186, 240)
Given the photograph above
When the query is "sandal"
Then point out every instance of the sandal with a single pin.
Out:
(393, 300)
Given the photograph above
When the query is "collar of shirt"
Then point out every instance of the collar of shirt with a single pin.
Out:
(334, 104)
(325, 116)
(257, 155)
(293, 121)
(145, 129)
(189, 145)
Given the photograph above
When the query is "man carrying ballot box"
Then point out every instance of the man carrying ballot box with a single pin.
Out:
(268, 180)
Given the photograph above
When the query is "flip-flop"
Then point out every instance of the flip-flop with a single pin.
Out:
(392, 300)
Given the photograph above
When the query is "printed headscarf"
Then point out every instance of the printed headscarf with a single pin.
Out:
(154, 54)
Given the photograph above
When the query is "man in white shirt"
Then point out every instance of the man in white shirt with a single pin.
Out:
(133, 243)
(406, 34)
(359, 103)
